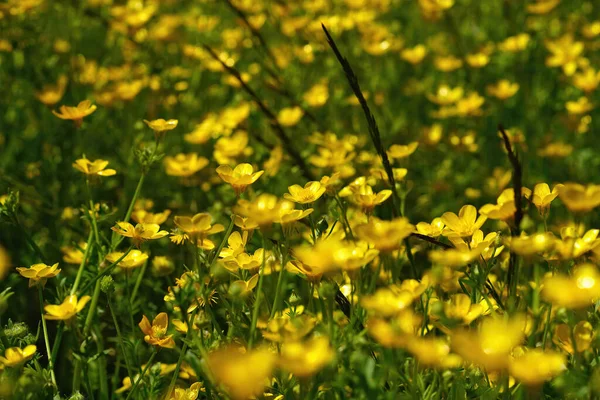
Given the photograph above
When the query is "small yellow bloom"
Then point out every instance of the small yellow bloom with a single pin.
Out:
(505, 208)
(239, 177)
(542, 196)
(434, 229)
(96, 167)
(133, 259)
(433, 352)
(464, 224)
(445, 95)
(190, 393)
(15, 356)
(305, 359)
(140, 233)
(367, 199)
(542, 6)
(454, 257)
(67, 310)
(161, 125)
(317, 259)
(241, 288)
(156, 334)
(51, 94)
(583, 334)
(579, 198)
(263, 211)
(415, 54)
(317, 95)
(354, 255)
(385, 236)
(184, 164)
(536, 366)
(73, 255)
(39, 273)
(529, 245)
(477, 60)
(290, 116)
(573, 292)
(588, 80)
(198, 227)
(392, 300)
(581, 106)
(398, 151)
(243, 373)
(564, 53)
(76, 114)
(310, 193)
(513, 44)
(447, 63)
(146, 217)
(503, 89)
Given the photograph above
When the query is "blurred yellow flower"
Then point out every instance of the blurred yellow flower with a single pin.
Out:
(67, 310)
(535, 366)
(503, 89)
(96, 167)
(414, 55)
(146, 217)
(290, 116)
(587, 80)
(38, 274)
(576, 291)
(133, 259)
(529, 245)
(76, 114)
(581, 106)
(51, 94)
(513, 44)
(582, 332)
(161, 125)
(243, 373)
(385, 236)
(305, 359)
(434, 229)
(184, 164)
(397, 151)
(564, 53)
(580, 198)
(198, 227)
(239, 177)
(542, 6)
(445, 95)
(477, 60)
(16, 356)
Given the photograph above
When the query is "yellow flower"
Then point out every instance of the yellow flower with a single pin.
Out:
(392, 300)
(305, 359)
(434, 229)
(398, 151)
(576, 291)
(583, 334)
(529, 245)
(243, 373)
(459, 307)
(76, 114)
(505, 208)
(503, 89)
(581, 106)
(354, 255)
(239, 177)
(184, 164)
(317, 95)
(236, 243)
(447, 63)
(73, 255)
(242, 288)
(263, 211)
(51, 94)
(198, 227)
(156, 334)
(470, 105)
(385, 236)
(396, 332)
(433, 352)
(464, 224)
(367, 200)
(542, 196)
(477, 60)
(140, 233)
(290, 116)
(588, 80)
(415, 54)
(572, 246)
(310, 193)
(445, 95)
(513, 44)
(67, 310)
(454, 257)
(536, 366)
(146, 217)
(15, 356)
(317, 259)
(579, 198)
(96, 167)
(564, 53)
(162, 266)
(161, 125)
(133, 259)
(187, 394)
(542, 6)
(490, 346)
(39, 273)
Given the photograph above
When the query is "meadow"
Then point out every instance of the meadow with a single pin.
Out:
(305, 199)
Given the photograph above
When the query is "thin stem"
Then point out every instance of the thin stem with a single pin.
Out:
(138, 281)
(46, 340)
(137, 382)
(258, 294)
(92, 214)
(120, 336)
(106, 271)
(82, 264)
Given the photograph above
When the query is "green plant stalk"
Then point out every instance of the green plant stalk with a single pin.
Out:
(278, 289)
(258, 294)
(138, 281)
(222, 244)
(120, 336)
(106, 271)
(137, 382)
(29, 239)
(82, 264)
(93, 214)
(46, 339)
(177, 368)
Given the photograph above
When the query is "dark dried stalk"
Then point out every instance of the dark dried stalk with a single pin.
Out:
(372, 124)
(275, 125)
(515, 230)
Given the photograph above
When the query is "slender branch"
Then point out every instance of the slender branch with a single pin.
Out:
(431, 240)
(372, 124)
(275, 125)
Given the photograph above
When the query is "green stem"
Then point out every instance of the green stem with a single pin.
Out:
(120, 336)
(106, 271)
(82, 264)
(177, 367)
(138, 281)
(46, 340)
(29, 239)
(258, 294)
(137, 382)
(92, 215)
